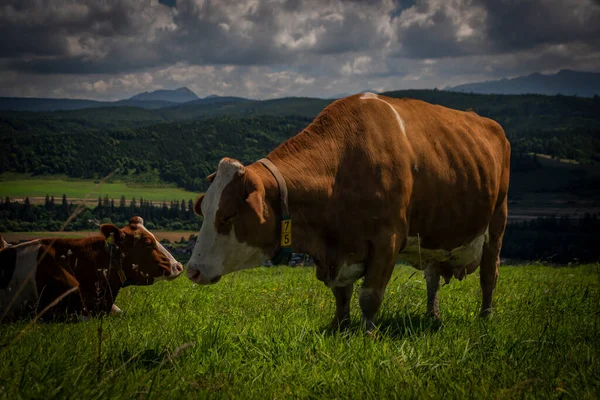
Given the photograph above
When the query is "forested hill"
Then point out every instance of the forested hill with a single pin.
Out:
(183, 144)
(180, 152)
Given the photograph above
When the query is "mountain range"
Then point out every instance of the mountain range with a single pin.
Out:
(149, 100)
(180, 95)
(565, 82)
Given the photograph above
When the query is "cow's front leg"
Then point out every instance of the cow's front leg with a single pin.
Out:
(343, 295)
(379, 268)
(432, 277)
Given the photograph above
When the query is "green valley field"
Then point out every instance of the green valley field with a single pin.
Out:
(21, 186)
(262, 334)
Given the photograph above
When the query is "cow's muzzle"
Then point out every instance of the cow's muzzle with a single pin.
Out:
(196, 276)
(176, 270)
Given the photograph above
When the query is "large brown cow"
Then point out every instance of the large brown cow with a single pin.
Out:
(370, 180)
(88, 272)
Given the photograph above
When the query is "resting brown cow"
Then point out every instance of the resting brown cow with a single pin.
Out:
(370, 180)
(88, 272)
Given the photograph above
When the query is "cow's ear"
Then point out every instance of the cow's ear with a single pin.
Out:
(108, 229)
(211, 177)
(197, 204)
(255, 195)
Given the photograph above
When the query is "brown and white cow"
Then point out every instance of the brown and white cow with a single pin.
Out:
(370, 180)
(92, 270)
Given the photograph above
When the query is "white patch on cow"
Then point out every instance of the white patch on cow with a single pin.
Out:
(373, 96)
(172, 261)
(215, 255)
(22, 283)
(458, 258)
(4, 244)
(348, 275)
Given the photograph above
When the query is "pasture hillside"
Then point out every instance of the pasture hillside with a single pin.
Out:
(182, 144)
(263, 334)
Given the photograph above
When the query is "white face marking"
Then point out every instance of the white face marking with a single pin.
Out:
(348, 275)
(215, 255)
(22, 283)
(373, 96)
(173, 263)
(459, 258)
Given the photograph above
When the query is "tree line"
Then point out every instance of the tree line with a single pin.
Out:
(552, 239)
(51, 216)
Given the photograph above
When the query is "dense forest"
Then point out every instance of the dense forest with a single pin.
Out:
(182, 152)
(183, 144)
(51, 216)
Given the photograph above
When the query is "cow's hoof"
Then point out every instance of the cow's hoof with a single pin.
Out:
(370, 328)
(434, 316)
(115, 310)
(340, 324)
(82, 318)
(486, 313)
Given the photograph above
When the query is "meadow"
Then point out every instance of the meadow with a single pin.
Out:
(21, 186)
(263, 333)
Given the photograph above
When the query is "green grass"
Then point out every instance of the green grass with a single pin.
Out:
(262, 334)
(40, 187)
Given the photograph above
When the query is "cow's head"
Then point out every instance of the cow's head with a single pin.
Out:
(144, 258)
(237, 232)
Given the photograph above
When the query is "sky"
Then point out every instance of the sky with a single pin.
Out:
(113, 49)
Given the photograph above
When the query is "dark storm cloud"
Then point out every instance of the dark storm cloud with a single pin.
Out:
(119, 35)
(517, 25)
(170, 3)
(436, 28)
(113, 48)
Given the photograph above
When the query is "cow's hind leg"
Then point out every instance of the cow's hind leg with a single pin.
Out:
(432, 277)
(379, 268)
(488, 273)
(343, 295)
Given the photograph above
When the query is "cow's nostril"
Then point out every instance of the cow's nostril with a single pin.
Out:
(194, 276)
(179, 267)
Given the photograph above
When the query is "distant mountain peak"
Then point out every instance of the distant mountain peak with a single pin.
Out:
(565, 82)
(179, 95)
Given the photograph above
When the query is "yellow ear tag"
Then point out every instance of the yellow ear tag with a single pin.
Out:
(286, 232)
(110, 240)
(122, 276)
